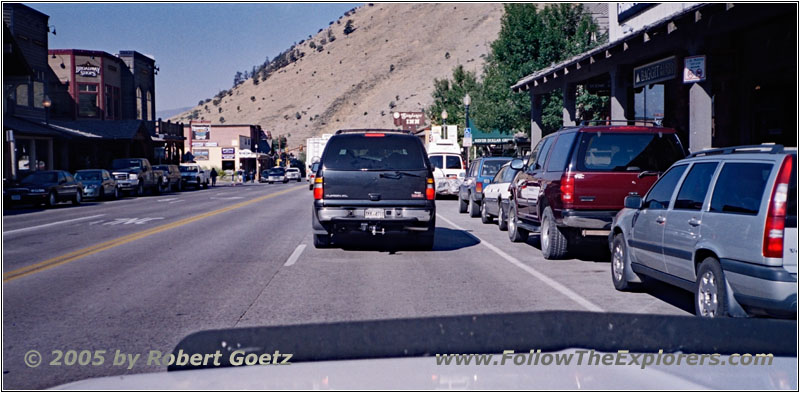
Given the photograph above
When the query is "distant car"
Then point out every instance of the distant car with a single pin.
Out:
(577, 178)
(495, 197)
(720, 220)
(312, 174)
(276, 174)
(136, 176)
(470, 193)
(172, 173)
(448, 172)
(47, 187)
(194, 175)
(293, 174)
(97, 183)
(374, 181)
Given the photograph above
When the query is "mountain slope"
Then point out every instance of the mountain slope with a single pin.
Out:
(387, 64)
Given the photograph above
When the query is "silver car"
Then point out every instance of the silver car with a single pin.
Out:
(97, 183)
(721, 223)
(293, 174)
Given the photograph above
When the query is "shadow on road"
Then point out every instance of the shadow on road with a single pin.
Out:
(446, 239)
(589, 250)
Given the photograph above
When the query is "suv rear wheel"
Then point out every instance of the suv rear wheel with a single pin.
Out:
(474, 208)
(553, 241)
(515, 233)
(710, 295)
(462, 204)
(322, 241)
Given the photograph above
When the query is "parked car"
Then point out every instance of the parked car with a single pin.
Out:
(374, 181)
(172, 174)
(448, 172)
(576, 180)
(276, 174)
(312, 174)
(293, 174)
(136, 176)
(97, 183)
(46, 187)
(480, 173)
(496, 195)
(193, 175)
(720, 220)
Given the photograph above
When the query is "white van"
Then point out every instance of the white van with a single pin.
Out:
(444, 152)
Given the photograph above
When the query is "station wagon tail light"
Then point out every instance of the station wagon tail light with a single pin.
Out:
(318, 188)
(567, 190)
(430, 191)
(776, 215)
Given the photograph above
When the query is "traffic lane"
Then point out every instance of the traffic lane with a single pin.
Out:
(19, 217)
(589, 274)
(25, 247)
(378, 278)
(150, 293)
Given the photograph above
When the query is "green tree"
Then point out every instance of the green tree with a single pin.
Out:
(348, 27)
(448, 94)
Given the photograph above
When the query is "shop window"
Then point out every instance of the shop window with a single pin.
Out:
(22, 94)
(649, 102)
(139, 103)
(87, 100)
(109, 96)
(38, 94)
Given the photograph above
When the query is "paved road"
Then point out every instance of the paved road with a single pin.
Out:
(140, 274)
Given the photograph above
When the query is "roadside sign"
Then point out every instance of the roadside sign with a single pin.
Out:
(467, 141)
(694, 69)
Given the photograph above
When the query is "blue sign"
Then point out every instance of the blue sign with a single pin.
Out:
(468, 133)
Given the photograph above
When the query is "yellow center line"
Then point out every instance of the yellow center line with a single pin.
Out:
(69, 257)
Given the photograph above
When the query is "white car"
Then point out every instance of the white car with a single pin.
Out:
(496, 196)
(194, 175)
(293, 174)
(448, 172)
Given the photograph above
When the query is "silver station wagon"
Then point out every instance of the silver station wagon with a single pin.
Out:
(721, 223)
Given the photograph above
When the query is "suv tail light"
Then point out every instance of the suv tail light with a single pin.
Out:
(478, 186)
(776, 213)
(567, 189)
(430, 191)
(318, 188)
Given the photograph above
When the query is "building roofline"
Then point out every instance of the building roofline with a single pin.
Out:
(523, 83)
(82, 52)
(40, 13)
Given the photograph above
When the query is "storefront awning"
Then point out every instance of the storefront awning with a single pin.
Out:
(494, 137)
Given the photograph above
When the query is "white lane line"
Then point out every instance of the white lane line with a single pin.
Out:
(295, 255)
(541, 276)
(50, 224)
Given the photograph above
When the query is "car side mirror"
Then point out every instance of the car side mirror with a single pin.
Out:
(517, 164)
(633, 202)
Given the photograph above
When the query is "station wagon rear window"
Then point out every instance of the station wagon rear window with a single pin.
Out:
(390, 152)
(740, 187)
(628, 152)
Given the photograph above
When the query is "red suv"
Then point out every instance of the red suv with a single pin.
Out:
(576, 181)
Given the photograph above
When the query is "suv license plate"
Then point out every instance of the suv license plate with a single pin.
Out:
(373, 213)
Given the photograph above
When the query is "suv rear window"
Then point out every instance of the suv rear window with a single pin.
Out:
(387, 152)
(621, 152)
(490, 167)
(740, 187)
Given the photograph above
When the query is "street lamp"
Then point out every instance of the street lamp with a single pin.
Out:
(46, 103)
(467, 101)
(444, 124)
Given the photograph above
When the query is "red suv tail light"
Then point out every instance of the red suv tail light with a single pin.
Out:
(430, 191)
(478, 186)
(776, 215)
(567, 189)
(318, 188)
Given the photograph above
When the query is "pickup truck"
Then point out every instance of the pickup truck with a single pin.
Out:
(194, 175)
(136, 176)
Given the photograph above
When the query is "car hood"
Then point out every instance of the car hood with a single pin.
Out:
(422, 373)
(91, 182)
(127, 170)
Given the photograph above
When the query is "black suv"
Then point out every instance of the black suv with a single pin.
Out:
(374, 181)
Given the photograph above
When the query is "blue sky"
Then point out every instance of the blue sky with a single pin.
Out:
(198, 47)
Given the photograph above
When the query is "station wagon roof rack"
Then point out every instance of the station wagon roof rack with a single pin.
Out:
(769, 148)
(654, 123)
(361, 130)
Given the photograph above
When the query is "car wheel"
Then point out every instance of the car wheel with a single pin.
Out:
(322, 241)
(116, 193)
(102, 195)
(140, 190)
(515, 233)
(474, 207)
(711, 300)
(554, 243)
(485, 217)
(462, 204)
(52, 199)
(620, 267)
(502, 220)
(76, 200)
